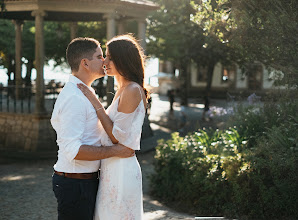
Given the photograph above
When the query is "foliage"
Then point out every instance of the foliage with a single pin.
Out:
(7, 47)
(96, 30)
(267, 190)
(28, 40)
(254, 30)
(253, 121)
(174, 37)
(197, 169)
(2, 4)
(56, 36)
(246, 172)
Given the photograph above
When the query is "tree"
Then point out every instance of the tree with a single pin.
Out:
(57, 37)
(7, 47)
(174, 36)
(169, 33)
(255, 30)
(28, 49)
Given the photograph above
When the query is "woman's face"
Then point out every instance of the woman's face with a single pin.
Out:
(110, 66)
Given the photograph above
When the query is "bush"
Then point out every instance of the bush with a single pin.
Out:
(269, 185)
(248, 172)
(253, 121)
(193, 170)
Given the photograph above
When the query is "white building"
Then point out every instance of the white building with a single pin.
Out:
(226, 81)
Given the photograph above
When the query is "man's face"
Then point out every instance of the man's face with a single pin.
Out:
(96, 64)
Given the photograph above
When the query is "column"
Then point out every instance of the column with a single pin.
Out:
(39, 61)
(142, 33)
(121, 28)
(111, 25)
(18, 57)
(111, 32)
(73, 30)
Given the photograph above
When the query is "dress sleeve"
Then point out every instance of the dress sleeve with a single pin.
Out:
(127, 130)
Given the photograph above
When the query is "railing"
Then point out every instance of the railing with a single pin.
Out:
(22, 99)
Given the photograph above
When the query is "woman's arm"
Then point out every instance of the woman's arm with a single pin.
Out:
(105, 120)
(129, 101)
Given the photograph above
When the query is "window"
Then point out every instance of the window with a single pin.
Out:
(202, 74)
(225, 75)
(228, 73)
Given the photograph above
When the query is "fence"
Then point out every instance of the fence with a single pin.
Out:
(22, 99)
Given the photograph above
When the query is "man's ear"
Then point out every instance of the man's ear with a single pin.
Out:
(84, 63)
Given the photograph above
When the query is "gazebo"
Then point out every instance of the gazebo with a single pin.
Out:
(32, 134)
(114, 12)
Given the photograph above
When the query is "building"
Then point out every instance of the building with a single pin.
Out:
(227, 80)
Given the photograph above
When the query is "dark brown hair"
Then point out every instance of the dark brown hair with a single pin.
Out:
(78, 49)
(128, 58)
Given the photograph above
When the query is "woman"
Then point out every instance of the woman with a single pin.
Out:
(120, 190)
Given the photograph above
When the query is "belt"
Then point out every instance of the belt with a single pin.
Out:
(82, 176)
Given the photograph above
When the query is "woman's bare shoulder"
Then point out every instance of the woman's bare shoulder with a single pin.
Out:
(130, 98)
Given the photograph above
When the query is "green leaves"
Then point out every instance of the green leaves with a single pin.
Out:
(7, 47)
(196, 167)
(255, 30)
(244, 172)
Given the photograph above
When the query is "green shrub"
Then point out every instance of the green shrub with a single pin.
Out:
(193, 170)
(269, 186)
(253, 121)
(248, 172)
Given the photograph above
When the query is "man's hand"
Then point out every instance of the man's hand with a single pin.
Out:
(122, 151)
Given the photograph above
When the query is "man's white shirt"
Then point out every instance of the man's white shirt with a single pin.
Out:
(75, 122)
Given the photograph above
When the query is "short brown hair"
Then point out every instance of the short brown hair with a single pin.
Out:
(128, 58)
(78, 49)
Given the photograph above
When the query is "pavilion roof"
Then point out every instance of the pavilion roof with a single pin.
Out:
(77, 10)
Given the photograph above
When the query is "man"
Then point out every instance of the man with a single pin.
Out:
(75, 178)
(171, 95)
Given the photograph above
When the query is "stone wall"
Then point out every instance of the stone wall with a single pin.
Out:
(27, 135)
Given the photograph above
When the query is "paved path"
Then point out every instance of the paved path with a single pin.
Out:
(25, 192)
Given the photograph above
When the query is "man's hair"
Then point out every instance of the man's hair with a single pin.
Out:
(78, 49)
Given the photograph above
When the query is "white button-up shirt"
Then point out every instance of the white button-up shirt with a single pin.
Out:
(75, 122)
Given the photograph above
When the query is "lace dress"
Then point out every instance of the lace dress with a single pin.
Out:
(120, 189)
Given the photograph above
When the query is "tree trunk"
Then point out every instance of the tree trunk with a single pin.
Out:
(146, 129)
(183, 75)
(10, 68)
(28, 73)
(209, 77)
(99, 88)
(110, 90)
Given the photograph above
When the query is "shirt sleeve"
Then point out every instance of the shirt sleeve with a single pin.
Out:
(125, 132)
(73, 117)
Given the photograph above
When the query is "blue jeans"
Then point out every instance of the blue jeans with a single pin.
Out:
(76, 198)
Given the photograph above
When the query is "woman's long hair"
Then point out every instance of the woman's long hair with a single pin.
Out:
(128, 58)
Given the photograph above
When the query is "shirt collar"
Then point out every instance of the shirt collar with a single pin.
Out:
(73, 79)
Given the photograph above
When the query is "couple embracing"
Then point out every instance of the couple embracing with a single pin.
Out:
(92, 138)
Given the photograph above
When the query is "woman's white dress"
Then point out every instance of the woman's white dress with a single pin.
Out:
(120, 189)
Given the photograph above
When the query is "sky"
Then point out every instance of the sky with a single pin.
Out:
(62, 74)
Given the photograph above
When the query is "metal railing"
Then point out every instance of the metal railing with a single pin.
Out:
(21, 99)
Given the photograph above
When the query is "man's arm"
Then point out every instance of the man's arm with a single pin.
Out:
(90, 153)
